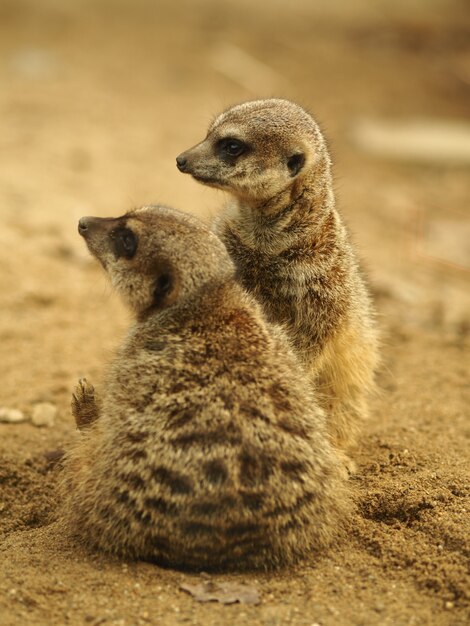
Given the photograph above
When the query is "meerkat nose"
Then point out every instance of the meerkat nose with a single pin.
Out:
(181, 163)
(83, 225)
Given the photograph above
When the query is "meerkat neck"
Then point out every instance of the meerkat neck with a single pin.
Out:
(204, 302)
(299, 212)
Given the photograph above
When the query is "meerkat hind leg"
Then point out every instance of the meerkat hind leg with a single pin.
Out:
(84, 407)
(345, 382)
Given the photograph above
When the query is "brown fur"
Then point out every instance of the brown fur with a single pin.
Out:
(208, 449)
(291, 248)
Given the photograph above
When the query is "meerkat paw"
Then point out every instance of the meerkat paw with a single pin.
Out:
(84, 407)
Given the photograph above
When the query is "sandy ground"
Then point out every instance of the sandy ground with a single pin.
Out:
(96, 100)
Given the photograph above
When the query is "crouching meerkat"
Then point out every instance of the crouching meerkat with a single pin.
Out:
(291, 248)
(207, 449)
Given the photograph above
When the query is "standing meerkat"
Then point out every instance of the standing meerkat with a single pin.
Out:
(207, 449)
(291, 248)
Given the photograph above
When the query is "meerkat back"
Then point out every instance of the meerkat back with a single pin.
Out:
(291, 248)
(208, 450)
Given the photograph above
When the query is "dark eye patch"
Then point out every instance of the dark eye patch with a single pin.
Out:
(163, 286)
(124, 242)
(230, 148)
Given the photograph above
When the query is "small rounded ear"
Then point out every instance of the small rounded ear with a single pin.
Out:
(295, 163)
(165, 289)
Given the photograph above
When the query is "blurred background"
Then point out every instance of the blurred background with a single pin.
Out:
(97, 97)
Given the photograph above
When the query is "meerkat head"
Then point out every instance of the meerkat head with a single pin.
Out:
(156, 256)
(256, 150)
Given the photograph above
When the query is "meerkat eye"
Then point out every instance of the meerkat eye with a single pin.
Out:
(295, 163)
(124, 243)
(232, 147)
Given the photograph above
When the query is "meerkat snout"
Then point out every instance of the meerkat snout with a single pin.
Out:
(83, 225)
(108, 238)
(181, 162)
(198, 162)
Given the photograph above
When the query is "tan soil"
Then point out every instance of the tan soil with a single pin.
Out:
(96, 100)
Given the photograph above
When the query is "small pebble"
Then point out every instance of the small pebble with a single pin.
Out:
(11, 416)
(44, 414)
